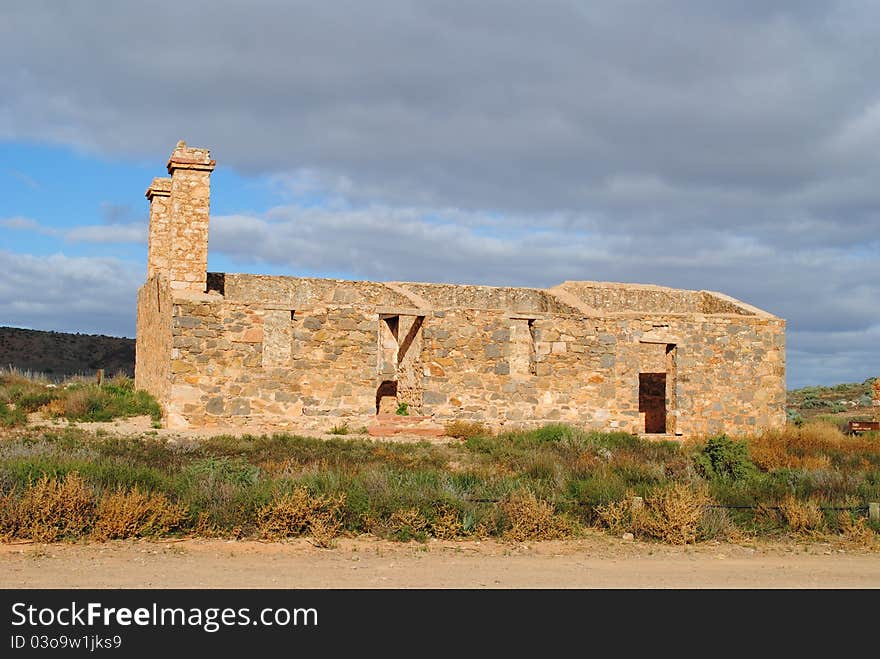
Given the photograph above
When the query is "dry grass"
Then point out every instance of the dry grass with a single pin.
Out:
(677, 515)
(50, 509)
(446, 524)
(8, 516)
(466, 429)
(717, 524)
(804, 447)
(300, 513)
(54, 408)
(855, 529)
(205, 527)
(528, 518)
(133, 513)
(801, 516)
(673, 514)
(408, 524)
(77, 403)
(617, 516)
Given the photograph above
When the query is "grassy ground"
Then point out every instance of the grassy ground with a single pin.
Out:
(547, 483)
(76, 399)
(808, 479)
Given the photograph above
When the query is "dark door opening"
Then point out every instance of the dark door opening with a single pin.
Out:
(386, 397)
(652, 401)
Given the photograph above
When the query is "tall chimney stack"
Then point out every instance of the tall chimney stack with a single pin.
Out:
(190, 169)
(159, 194)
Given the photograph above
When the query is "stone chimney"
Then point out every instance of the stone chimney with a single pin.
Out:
(190, 170)
(159, 194)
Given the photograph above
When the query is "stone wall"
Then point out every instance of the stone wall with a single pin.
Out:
(297, 352)
(525, 300)
(298, 292)
(876, 396)
(610, 297)
(153, 343)
(236, 362)
(729, 374)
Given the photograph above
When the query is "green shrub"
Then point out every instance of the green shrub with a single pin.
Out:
(725, 459)
(31, 401)
(403, 409)
(112, 401)
(212, 471)
(12, 416)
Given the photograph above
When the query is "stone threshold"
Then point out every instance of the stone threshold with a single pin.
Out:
(398, 424)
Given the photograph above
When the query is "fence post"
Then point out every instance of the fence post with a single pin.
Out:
(874, 511)
(100, 375)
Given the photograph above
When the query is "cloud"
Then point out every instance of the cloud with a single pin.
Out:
(108, 233)
(20, 223)
(133, 232)
(486, 105)
(113, 213)
(815, 357)
(828, 296)
(77, 294)
(24, 178)
(726, 146)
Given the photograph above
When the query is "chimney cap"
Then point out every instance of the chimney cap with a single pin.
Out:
(160, 187)
(188, 157)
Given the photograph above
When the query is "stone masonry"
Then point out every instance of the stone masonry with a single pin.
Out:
(875, 386)
(220, 349)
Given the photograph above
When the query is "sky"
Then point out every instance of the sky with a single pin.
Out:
(720, 146)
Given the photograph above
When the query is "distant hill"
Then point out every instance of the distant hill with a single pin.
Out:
(58, 354)
(839, 402)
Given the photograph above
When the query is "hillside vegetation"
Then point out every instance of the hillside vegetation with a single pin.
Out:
(838, 404)
(59, 354)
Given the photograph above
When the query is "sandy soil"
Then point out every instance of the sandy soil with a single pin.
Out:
(594, 562)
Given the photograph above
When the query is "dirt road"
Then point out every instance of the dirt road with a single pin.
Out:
(593, 562)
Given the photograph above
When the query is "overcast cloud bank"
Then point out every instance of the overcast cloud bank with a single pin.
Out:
(731, 147)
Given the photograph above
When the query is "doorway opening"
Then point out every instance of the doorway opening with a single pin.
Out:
(652, 401)
(386, 397)
(399, 363)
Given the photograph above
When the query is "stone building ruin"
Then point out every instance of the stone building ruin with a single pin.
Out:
(223, 349)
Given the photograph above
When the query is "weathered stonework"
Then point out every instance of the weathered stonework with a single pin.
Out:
(190, 171)
(152, 367)
(876, 397)
(234, 349)
(159, 244)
